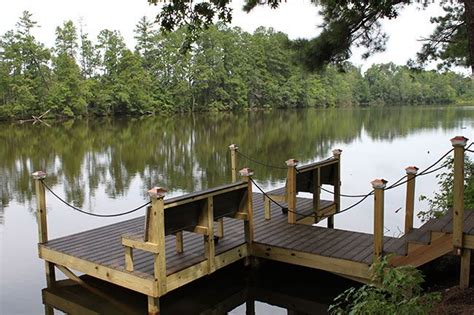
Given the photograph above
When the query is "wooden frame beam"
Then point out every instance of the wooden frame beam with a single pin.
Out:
(140, 244)
(122, 278)
(335, 265)
(424, 254)
(465, 268)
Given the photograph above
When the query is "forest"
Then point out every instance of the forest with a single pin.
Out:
(225, 69)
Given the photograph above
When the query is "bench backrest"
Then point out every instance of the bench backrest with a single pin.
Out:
(307, 175)
(186, 212)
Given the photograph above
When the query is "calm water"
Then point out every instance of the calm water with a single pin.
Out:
(106, 166)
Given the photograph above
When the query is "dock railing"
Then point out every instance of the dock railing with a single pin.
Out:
(305, 178)
(309, 178)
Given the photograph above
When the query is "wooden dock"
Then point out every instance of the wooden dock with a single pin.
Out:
(182, 239)
(236, 288)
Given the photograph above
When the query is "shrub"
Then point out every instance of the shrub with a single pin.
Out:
(394, 291)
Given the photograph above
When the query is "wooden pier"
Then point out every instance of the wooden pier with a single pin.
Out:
(182, 239)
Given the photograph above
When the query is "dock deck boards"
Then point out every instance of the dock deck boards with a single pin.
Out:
(103, 246)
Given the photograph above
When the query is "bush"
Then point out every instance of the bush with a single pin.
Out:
(395, 291)
(443, 200)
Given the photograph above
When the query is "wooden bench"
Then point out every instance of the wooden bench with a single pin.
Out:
(194, 212)
(309, 178)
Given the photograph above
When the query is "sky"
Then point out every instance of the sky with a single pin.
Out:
(297, 18)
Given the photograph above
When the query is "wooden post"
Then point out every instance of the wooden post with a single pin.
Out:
(41, 206)
(458, 190)
(316, 193)
(209, 246)
(465, 268)
(179, 242)
(267, 208)
(233, 160)
(220, 228)
(128, 258)
(337, 186)
(153, 305)
(291, 190)
(379, 186)
(247, 173)
(250, 307)
(156, 235)
(48, 309)
(410, 197)
(43, 223)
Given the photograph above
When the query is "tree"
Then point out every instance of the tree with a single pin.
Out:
(66, 39)
(25, 62)
(111, 46)
(449, 41)
(89, 58)
(144, 34)
(346, 23)
(68, 93)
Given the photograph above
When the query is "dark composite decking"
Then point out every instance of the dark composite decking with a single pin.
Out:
(103, 246)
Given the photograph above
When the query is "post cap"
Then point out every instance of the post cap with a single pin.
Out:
(459, 141)
(246, 172)
(411, 170)
(39, 175)
(157, 192)
(291, 162)
(233, 147)
(336, 153)
(379, 183)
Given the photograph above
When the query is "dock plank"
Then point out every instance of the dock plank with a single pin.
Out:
(103, 246)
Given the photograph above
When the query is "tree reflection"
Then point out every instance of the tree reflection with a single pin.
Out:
(189, 152)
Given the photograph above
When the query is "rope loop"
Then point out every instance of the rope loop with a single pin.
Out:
(311, 215)
(260, 163)
(90, 213)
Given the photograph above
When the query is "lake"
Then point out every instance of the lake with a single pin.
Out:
(107, 165)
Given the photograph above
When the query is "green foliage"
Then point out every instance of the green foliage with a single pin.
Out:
(449, 40)
(397, 291)
(346, 24)
(226, 69)
(443, 200)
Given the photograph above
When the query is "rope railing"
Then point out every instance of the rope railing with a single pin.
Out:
(260, 163)
(90, 213)
(426, 171)
(270, 165)
(467, 148)
(399, 182)
(342, 195)
(306, 215)
(362, 197)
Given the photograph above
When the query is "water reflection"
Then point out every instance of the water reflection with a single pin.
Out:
(108, 164)
(273, 288)
(189, 153)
